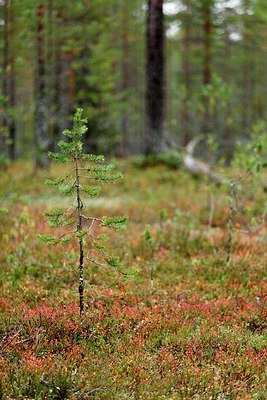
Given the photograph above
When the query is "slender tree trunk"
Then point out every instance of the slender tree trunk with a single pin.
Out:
(57, 120)
(185, 111)
(245, 101)
(79, 228)
(246, 84)
(57, 123)
(169, 117)
(51, 81)
(12, 104)
(11, 100)
(41, 110)
(228, 131)
(64, 89)
(5, 62)
(155, 78)
(207, 72)
(126, 139)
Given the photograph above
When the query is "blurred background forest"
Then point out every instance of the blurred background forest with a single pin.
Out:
(56, 55)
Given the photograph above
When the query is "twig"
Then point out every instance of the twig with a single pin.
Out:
(212, 206)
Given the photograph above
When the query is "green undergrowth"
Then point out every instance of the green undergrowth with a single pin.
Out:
(198, 333)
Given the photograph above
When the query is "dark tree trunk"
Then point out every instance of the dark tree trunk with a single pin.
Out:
(11, 120)
(4, 119)
(207, 72)
(41, 109)
(247, 65)
(52, 80)
(155, 78)
(228, 140)
(126, 145)
(207, 43)
(57, 122)
(186, 67)
(11, 89)
(66, 86)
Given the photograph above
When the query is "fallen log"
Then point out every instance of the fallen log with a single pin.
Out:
(197, 167)
(193, 165)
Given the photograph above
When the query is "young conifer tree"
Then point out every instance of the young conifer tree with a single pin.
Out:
(84, 178)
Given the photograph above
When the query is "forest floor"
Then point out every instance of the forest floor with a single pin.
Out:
(198, 333)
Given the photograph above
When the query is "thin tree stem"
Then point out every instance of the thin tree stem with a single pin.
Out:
(79, 228)
(230, 222)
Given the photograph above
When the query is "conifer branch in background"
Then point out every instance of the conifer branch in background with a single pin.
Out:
(84, 168)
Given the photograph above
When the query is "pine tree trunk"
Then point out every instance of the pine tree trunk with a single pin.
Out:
(12, 104)
(4, 130)
(51, 80)
(246, 83)
(126, 139)
(185, 111)
(155, 78)
(228, 131)
(41, 109)
(207, 73)
(11, 87)
(79, 228)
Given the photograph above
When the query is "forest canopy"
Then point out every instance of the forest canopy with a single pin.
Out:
(57, 56)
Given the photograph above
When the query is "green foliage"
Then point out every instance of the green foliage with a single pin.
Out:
(3, 211)
(171, 159)
(148, 236)
(92, 191)
(252, 157)
(118, 223)
(218, 92)
(50, 239)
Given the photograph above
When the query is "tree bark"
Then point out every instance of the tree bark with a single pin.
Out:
(41, 109)
(79, 228)
(155, 78)
(228, 143)
(186, 67)
(11, 119)
(11, 90)
(53, 78)
(246, 81)
(207, 72)
(126, 147)
(4, 118)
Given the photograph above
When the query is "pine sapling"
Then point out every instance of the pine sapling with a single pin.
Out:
(84, 178)
(230, 221)
(153, 246)
(154, 242)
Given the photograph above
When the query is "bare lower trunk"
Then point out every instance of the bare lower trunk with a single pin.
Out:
(126, 139)
(207, 74)
(246, 78)
(12, 104)
(4, 118)
(155, 78)
(79, 228)
(230, 222)
(81, 278)
(185, 111)
(41, 112)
